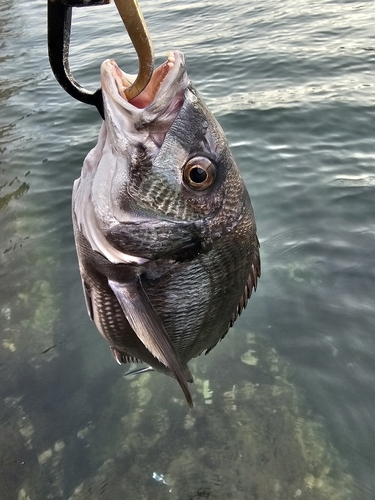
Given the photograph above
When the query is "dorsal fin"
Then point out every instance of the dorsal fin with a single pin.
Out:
(251, 284)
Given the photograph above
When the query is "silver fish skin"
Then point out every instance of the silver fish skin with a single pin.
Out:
(164, 228)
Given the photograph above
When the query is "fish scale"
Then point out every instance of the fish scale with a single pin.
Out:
(190, 287)
(164, 228)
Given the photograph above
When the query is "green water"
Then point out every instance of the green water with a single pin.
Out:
(284, 405)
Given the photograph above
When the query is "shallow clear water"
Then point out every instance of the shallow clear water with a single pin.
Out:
(292, 84)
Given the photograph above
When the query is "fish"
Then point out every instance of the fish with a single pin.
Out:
(164, 228)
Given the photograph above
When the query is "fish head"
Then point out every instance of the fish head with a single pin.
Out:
(161, 155)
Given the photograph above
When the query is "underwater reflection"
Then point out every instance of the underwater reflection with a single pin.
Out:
(250, 439)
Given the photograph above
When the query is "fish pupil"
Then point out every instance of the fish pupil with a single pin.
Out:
(198, 175)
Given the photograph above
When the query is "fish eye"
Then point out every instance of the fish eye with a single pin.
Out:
(199, 173)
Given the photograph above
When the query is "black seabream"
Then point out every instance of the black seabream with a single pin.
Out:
(164, 228)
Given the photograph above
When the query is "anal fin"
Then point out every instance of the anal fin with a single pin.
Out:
(122, 357)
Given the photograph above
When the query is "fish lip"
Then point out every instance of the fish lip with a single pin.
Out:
(115, 81)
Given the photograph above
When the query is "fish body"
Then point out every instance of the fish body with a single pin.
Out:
(164, 228)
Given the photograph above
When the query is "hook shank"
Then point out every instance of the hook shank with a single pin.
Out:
(135, 25)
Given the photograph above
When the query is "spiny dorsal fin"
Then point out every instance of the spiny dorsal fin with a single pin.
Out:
(251, 284)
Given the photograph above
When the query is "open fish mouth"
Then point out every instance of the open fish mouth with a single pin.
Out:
(153, 111)
(115, 81)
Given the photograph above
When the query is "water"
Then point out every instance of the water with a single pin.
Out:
(292, 84)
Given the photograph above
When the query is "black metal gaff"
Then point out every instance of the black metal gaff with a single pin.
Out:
(59, 28)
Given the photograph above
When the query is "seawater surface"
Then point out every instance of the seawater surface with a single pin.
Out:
(285, 405)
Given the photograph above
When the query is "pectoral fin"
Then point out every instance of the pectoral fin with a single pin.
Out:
(149, 328)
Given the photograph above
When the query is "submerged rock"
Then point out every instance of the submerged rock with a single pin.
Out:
(249, 358)
(30, 463)
(255, 441)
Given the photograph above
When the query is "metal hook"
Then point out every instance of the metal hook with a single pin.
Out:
(135, 25)
(59, 29)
